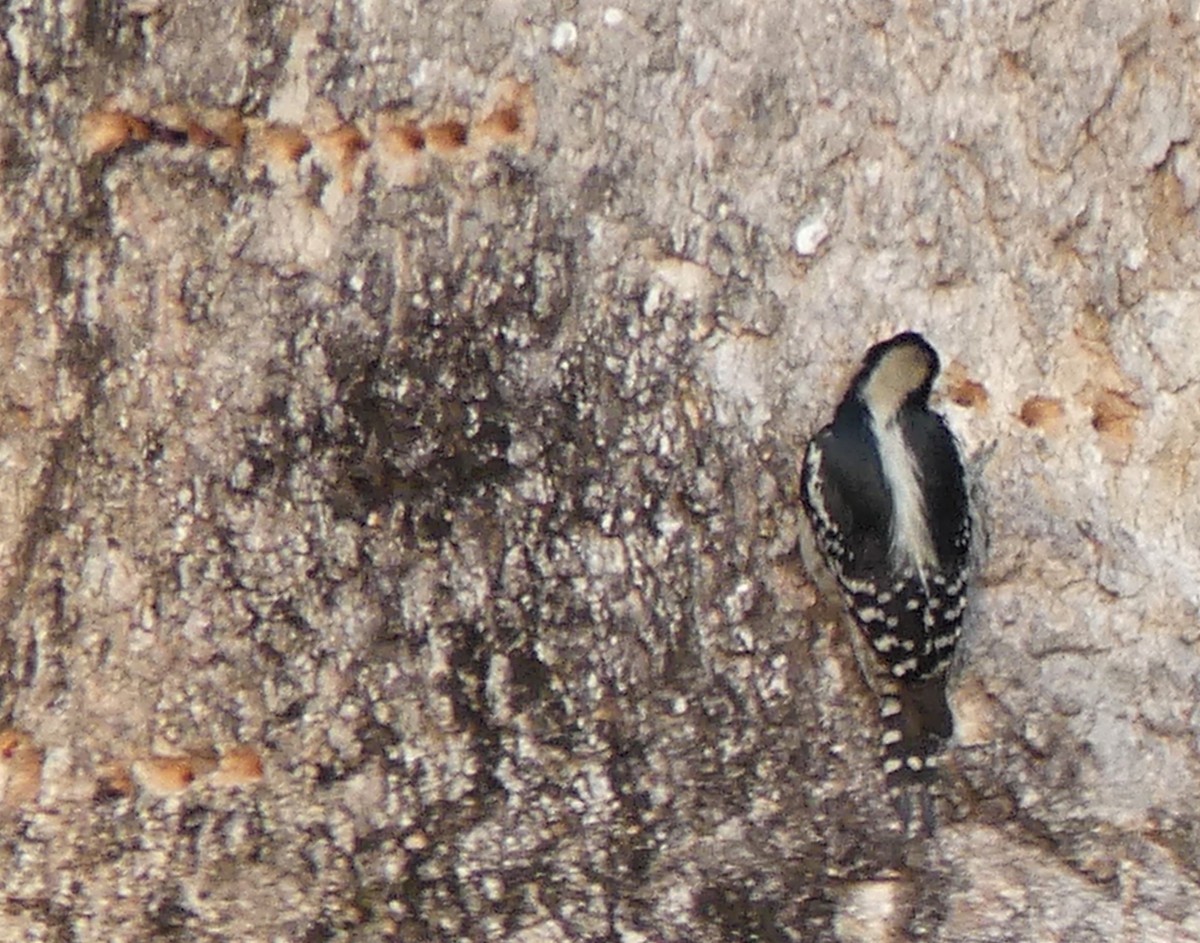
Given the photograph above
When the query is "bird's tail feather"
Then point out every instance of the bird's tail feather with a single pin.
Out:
(916, 721)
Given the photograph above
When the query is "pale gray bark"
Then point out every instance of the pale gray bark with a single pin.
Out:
(460, 487)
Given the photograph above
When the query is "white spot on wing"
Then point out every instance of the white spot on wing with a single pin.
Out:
(904, 667)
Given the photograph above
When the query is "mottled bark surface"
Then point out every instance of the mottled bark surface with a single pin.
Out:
(398, 436)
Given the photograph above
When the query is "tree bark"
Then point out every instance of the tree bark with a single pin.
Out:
(399, 433)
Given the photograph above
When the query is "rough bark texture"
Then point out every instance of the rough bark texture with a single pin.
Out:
(398, 436)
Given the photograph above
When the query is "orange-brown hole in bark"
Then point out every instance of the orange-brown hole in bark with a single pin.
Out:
(968, 393)
(410, 137)
(103, 132)
(446, 135)
(504, 121)
(1113, 415)
(286, 143)
(1038, 412)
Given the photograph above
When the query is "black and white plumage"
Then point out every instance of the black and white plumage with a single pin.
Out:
(885, 495)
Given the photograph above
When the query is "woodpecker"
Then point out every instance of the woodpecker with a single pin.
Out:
(885, 496)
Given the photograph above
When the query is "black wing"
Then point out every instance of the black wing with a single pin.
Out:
(848, 507)
(910, 623)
